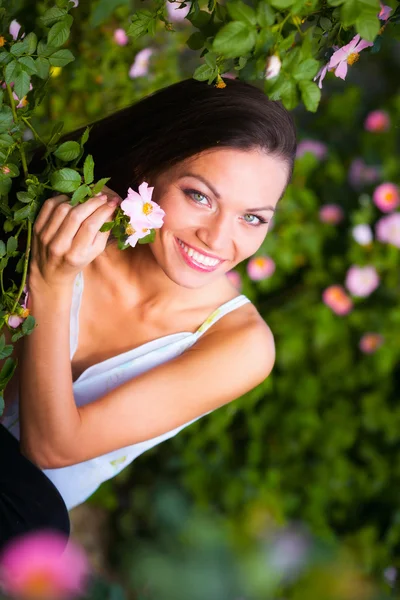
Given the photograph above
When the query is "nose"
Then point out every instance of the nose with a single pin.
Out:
(217, 235)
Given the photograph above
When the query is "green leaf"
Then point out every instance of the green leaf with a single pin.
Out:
(201, 19)
(196, 41)
(24, 197)
(21, 84)
(103, 10)
(6, 119)
(80, 194)
(148, 238)
(88, 169)
(31, 42)
(53, 15)
(55, 133)
(11, 71)
(12, 245)
(204, 72)
(234, 39)
(61, 58)
(12, 170)
(107, 226)
(22, 213)
(306, 70)
(6, 140)
(239, 11)
(368, 26)
(99, 185)
(288, 41)
(311, 95)
(58, 34)
(140, 23)
(42, 67)
(282, 3)
(350, 11)
(265, 15)
(5, 57)
(2, 249)
(45, 49)
(7, 371)
(65, 180)
(19, 48)
(28, 64)
(85, 136)
(68, 151)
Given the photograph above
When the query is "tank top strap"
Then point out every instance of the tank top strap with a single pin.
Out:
(221, 311)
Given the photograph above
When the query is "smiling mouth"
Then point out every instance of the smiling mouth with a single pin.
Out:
(197, 260)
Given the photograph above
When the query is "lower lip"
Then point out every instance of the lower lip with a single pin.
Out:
(195, 266)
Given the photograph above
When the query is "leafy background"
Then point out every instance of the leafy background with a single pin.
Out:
(318, 441)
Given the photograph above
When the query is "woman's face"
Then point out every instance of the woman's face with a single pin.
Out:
(217, 209)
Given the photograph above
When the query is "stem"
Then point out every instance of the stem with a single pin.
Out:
(35, 133)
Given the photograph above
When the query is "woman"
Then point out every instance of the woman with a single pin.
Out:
(164, 338)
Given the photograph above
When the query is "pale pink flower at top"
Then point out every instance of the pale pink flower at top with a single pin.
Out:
(273, 66)
(360, 173)
(140, 66)
(260, 267)
(362, 234)
(120, 37)
(176, 14)
(362, 281)
(347, 55)
(235, 279)
(16, 320)
(370, 342)
(319, 149)
(385, 11)
(41, 565)
(387, 229)
(336, 298)
(144, 214)
(14, 29)
(331, 213)
(321, 74)
(377, 120)
(386, 197)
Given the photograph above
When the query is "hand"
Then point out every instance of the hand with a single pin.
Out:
(66, 239)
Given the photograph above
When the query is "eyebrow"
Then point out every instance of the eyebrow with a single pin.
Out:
(217, 195)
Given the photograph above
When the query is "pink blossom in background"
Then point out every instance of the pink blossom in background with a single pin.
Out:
(386, 197)
(360, 173)
(260, 267)
(362, 234)
(385, 11)
(370, 342)
(14, 29)
(319, 149)
(140, 66)
(120, 37)
(272, 67)
(43, 566)
(347, 55)
(229, 75)
(362, 281)
(16, 320)
(176, 14)
(235, 279)
(336, 298)
(377, 120)
(387, 229)
(331, 213)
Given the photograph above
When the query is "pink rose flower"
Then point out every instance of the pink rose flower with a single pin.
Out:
(377, 120)
(235, 279)
(386, 197)
(43, 566)
(347, 55)
(14, 29)
(140, 66)
(385, 11)
(336, 298)
(120, 37)
(144, 214)
(15, 320)
(370, 342)
(331, 213)
(176, 14)
(387, 229)
(319, 149)
(362, 281)
(260, 267)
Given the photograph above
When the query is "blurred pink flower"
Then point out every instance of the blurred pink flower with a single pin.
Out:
(235, 279)
(386, 197)
(370, 342)
(14, 29)
(43, 566)
(319, 149)
(260, 267)
(140, 66)
(362, 234)
(385, 11)
(362, 281)
(144, 214)
(360, 173)
(336, 298)
(120, 37)
(331, 213)
(387, 229)
(16, 320)
(176, 14)
(347, 55)
(272, 66)
(377, 120)
(229, 75)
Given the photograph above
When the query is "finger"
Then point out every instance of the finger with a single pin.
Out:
(86, 239)
(46, 211)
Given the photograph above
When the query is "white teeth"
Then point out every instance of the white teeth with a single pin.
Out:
(199, 258)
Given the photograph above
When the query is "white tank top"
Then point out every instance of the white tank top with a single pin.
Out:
(77, 482)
